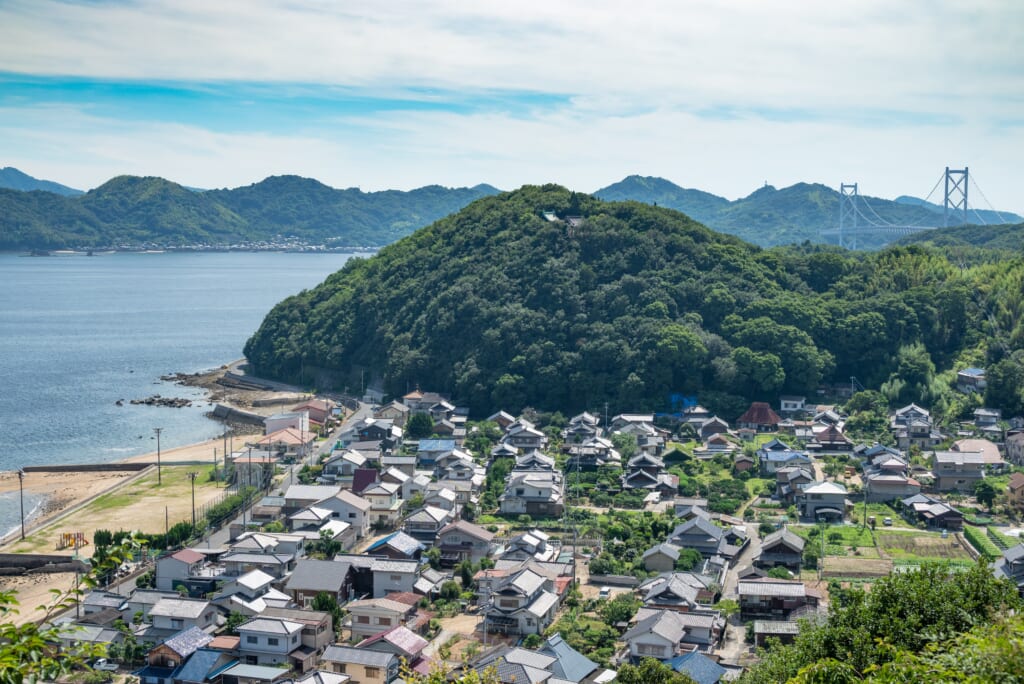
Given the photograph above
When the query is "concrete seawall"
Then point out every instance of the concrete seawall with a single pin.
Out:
(230, 414)
(87, 468)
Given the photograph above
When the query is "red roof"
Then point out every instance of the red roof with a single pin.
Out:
(188, 556)
(406, 597)
(760, 413)
(400, 636)
(363, 478)
(224, 643)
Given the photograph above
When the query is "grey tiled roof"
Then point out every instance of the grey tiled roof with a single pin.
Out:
(359, 656)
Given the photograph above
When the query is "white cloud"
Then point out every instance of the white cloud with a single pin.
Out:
(652, 84)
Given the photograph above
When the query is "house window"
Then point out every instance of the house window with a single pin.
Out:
(508, 603)
(396, 578)
(271, 641)
(339, 668)
(372, 672)
(520, 491)
(351, 516)
(176, 623)
(363, 619)
(252, 640)
(386, 622)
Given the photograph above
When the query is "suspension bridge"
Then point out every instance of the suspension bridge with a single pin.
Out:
(858, 219)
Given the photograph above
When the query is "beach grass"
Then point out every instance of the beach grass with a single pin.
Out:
(140, 504)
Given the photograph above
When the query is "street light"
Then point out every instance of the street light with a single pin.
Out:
(192, 477)
(158, 431)
(21, 493)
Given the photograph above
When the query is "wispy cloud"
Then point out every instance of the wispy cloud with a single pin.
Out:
(708, 93)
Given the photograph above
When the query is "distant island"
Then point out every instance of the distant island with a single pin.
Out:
(291, 212)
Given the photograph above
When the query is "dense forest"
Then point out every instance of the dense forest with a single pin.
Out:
(771, 216)
(998, 237)
(502, 308)
(133, 211)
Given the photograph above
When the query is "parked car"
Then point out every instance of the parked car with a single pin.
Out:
(887, 522)
(104, 665)
(604, 593)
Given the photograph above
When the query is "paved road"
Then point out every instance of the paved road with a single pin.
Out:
(221, 537)
(733, 645)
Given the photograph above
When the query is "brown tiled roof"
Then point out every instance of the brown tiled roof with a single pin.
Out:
(1016, 481)
(760, 413)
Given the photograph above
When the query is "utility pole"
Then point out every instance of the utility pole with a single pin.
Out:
(192, 477)
(159, 480)
(21, 493)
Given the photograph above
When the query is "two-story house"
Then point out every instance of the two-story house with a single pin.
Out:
(781, 548)
(177, 568)
(777, 454)
(524, 435)
(274, 641)
(462, 540)
(823, 500)
(317, 629)
(312, 577)
(957, 470)
(424, 524)
(172, 615)
(533, 545)
(385, 506)
(376, 615)
(350, 508)
(362, 665)
(520, 604)
(534, 493)
(775, 598)
(341, 466)
(393, 575)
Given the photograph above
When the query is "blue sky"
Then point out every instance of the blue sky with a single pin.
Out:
(716, 94)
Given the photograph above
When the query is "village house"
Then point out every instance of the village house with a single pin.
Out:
(385, 506)
(424, 523)
(400, 641)
(777, 454)
(376, 615)
(581, 428)
(362, 665)
(1015, 447)
(299, 496)
(393, 575)
(971, 380)
(250, 594)
(823, 500)
(887, 478)
(1015, 491)
(660, 558)
(536, 493)
(664, 634)
(177, 568)
(317, 630)
(912, 426)
(311, 577)
(287, 443)
(350, 508)
(395, 411)
(522, 434)
(164, 660)
(341, 466)
(933, 513)
(789, 404)
(591, 454)
(296, 420)
(398, 546)
(957, 470)
(273, 641)
(712, 426)
(647, 472)
(990, 456)
(1011, 566)
(172, 615)
(520, 604)
(532, 545)
(680, 590)
(775, 598)
(708, 539)
(781, 549)
(760, 417)
(462, 540)
(790, 480)
(421, 402)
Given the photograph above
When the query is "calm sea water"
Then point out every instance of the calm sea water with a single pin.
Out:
(79, 333)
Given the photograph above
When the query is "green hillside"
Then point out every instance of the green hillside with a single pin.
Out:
(133, 211)
(13, 179)
(504, 309)
(1009, 237)
(771, 216)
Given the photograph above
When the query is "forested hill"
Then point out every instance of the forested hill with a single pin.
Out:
(131, 210)
(1000, 237)
(14, 179)
(502, 308)
(771, 216)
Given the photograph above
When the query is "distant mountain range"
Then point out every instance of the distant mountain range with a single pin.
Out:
(137, 211)
(13, 179)
(770, 216)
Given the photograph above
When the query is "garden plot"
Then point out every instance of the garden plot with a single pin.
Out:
(921, 546)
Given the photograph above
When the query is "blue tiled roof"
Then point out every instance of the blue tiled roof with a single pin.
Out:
(436, 444)
(198, 667)
(699, 667)
(569, 663)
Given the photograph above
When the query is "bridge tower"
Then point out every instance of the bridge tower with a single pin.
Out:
(848, 214)
(956, 196)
